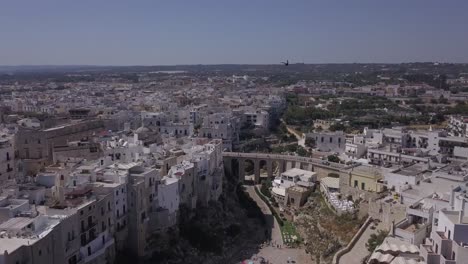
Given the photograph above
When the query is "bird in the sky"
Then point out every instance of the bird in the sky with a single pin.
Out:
(285, 63)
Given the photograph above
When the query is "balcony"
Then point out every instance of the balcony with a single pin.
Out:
(87, 228)
(100, 251)
(443, 260)
(71, 242)
(412, 232)
(429, 255)
(418, 211)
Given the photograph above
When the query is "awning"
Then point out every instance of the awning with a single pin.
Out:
(396, 249)
(279, 191)
(381, 258)
(331, 182)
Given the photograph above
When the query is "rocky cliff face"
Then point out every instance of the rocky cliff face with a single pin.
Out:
(225, 231)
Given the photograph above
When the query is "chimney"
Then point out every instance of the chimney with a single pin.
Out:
(462, 211)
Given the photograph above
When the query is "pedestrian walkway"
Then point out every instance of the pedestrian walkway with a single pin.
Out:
(271, 221)
(275, 252)
(359, 251)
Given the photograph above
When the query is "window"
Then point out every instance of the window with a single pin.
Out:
(83, 239)
(363, 185)
(355, 184)
(72, 260)
(331, 139)
(89, 251)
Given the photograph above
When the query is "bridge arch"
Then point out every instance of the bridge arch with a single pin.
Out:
(276, 164)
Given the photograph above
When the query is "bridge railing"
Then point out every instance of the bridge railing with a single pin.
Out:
(315, 161)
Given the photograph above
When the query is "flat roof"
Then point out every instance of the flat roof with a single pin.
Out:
(296, 172)
(298, 189)
(367, 170)
(16, 223)
(11, 244)
(412, 170)
(440, 186)
(453, 216)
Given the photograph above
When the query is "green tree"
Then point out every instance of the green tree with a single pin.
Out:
(376, 240)
(265, 189)
(337, 127)
(333, 158)
(301, 151)
(310, 142)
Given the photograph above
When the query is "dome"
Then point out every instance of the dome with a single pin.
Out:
(142, 130)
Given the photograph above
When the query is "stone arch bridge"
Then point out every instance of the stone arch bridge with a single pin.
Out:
(235, 162)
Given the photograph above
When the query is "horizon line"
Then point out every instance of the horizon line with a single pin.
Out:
(219, 64)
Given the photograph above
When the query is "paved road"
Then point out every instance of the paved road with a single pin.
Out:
(359, 251)
(299, 135)
(270, 220)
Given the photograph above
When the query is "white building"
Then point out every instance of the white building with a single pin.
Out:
(257, 118)
(7, 159)
(449, 239)
(403, 178)
(221, 126)
(169, 199)
(329, 141)
(291, 178)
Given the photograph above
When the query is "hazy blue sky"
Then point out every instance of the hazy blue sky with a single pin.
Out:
(140, 32)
